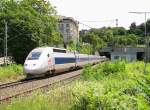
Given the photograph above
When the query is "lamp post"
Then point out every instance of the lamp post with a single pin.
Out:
(6, 36)
(145, 33)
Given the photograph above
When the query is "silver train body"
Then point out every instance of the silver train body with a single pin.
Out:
(45, 60)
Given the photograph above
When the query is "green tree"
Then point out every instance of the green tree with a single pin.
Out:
(71, 45)
(106, 34)
(119, 31)
(126, 40)
(139, 30)
(134, 29)
(86, 48)
(31, 23)
(93, 40)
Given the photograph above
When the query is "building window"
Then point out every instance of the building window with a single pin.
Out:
(116, 57)
(67, 25)
(67, 30)
(61, 27)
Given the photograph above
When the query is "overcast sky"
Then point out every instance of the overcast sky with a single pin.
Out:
(105, 11)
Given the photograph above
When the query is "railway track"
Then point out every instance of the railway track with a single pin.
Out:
(14, 89)
(15, 83)
(10, 84)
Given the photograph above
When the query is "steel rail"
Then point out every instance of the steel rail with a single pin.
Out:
(17, 89)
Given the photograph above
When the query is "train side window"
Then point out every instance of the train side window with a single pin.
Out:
(59, 50)
(48, 55)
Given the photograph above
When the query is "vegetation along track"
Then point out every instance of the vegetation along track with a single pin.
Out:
(18, 88)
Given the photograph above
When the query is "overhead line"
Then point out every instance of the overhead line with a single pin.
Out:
(85, 25)
(100, 21)
(113, 20)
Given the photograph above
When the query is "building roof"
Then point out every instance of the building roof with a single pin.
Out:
(124, 49)
(62, 18)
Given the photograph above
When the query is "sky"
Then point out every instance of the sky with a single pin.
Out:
(104, 12)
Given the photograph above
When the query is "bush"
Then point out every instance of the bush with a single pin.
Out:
(113, 67)
(10, 72)
(103, 70)
(94, 96)
(118, 85)
(87, 96)
(88, 73)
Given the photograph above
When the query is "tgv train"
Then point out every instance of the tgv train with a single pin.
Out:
(47, 60)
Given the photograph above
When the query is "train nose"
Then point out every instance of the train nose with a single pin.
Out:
(31, 68)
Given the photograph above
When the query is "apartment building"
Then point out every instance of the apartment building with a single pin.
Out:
(69, 28)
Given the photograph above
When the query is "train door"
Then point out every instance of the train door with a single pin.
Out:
(50, 60)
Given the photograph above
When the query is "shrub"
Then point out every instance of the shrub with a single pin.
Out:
(118, 85)
(10, 72)
(113, 67)
(103, 70)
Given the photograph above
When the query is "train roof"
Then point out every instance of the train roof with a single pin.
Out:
(53, 49)
(43, 48)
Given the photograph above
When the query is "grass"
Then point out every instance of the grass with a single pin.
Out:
(58, 99)
(108, 86)
(10, 72)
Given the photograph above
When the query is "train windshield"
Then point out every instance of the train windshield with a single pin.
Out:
(34, 56)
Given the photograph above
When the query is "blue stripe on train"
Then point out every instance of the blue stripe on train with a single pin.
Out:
(62, 60)
(82, 59)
